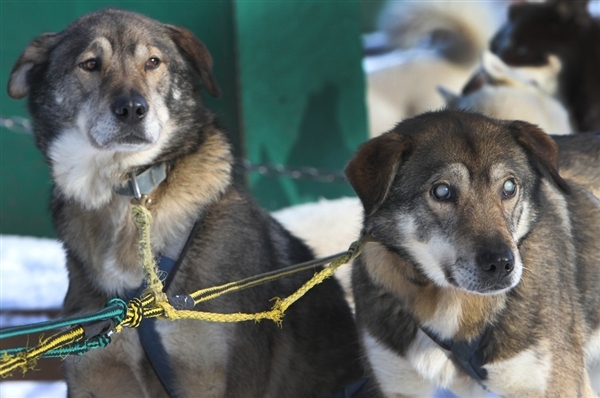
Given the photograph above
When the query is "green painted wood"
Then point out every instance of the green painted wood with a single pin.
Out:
(302, 92)
(369, 13)
(24, 178)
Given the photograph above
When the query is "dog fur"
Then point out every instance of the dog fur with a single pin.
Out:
(565, 29)
(426, 268)
(578, 158)
(110, 95)
(505, 92)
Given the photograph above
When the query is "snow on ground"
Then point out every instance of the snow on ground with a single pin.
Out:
(30, 389)
(32, 276)
(32, 273)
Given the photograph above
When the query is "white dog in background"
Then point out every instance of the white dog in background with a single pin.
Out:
(520, 93)
(434, 43)
(328, 227)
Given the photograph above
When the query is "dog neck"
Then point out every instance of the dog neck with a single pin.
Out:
(448, 313)
(144, 182)
(193, 183)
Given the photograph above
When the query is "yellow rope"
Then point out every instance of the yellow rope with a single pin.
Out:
(276, 313)
(28, 359)
(142, 219)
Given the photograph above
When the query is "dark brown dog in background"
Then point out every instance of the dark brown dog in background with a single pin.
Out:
(566, 29)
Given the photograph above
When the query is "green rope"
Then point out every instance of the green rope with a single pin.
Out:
(79, 348)
(115, 309)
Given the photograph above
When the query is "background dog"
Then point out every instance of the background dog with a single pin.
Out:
(484, 263)
(434, 43)
(112, 95)
(566, 29)
(514, 93)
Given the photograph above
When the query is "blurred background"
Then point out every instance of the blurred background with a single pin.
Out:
(304, 83)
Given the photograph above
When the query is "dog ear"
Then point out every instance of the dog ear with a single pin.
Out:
(542, 149)
(372, 169)
(477, 81)
(199, 54)
(495, 67)
(450, 98)
(36, 53)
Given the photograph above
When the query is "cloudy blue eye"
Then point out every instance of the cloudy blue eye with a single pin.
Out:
(509, 188)
(441, 191)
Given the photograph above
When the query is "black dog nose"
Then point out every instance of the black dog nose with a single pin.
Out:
(501, 262)
(130, 109)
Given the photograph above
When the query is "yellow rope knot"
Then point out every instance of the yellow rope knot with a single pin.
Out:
(135, 313)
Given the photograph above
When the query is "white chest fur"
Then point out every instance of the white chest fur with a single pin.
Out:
(424, 368)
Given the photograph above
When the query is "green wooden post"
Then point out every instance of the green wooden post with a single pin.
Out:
(301, 90)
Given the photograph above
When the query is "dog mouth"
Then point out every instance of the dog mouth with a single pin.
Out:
(129, 123)
(487, 277)
(121, 139)
(105, 132)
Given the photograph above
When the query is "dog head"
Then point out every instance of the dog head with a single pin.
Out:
(496, 72)
(113, 91)
(456, 192)
(514, 92)
(111, 74)
(535, 30)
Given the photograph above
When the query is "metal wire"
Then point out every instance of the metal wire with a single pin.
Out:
(17, 124)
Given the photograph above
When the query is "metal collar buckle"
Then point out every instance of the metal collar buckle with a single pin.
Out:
(140, 185)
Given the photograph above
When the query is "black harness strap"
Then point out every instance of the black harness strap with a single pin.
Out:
(149, 337)
(351, 389)
(466, 354)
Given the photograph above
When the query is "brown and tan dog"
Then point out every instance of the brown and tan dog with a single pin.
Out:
(484, 270)
(117, 94)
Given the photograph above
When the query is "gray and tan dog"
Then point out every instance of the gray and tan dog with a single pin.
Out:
(484, 265)
(116, 94)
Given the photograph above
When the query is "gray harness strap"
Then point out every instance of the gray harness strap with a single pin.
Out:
(145, 182)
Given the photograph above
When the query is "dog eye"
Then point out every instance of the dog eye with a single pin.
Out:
(90, 65)
(509, 188)
(152, 63)
(441, 192)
